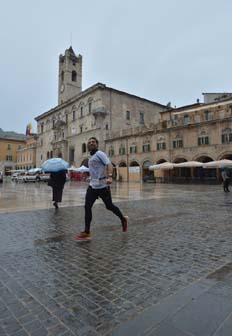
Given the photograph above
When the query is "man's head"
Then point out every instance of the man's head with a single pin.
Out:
(92, 144)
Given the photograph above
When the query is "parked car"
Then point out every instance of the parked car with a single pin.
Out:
(1, 176)
(35, 175)
(14, 176)
(18, 177)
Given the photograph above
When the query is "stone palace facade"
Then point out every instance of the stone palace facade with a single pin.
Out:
(134, 131)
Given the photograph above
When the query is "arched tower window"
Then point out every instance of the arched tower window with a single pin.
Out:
(74, 76)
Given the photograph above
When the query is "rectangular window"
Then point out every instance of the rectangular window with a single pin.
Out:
(161, 145)
(127, 115)
(74, 115)
(177, 143)
(226, 138)
(122, 151)
(174, 120)
(66, 118)
(8, 146)
(186, 119)
(146, 148)
(203, 140)
(111, 152)
(141, 118)
(133, 149)
(90, 107)
(206, 113)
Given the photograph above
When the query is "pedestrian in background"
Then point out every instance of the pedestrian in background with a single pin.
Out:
(57, 181)
(100, 170)
(225, 179)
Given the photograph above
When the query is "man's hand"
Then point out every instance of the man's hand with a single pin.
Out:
(109, 180)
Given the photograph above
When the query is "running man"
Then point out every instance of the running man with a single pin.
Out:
(100, 170)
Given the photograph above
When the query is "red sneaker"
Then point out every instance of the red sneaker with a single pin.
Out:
(124, 223)
(82, 236)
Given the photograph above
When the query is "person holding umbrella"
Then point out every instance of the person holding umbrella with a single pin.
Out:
(100, 170)
(57, 168)
(57, 181)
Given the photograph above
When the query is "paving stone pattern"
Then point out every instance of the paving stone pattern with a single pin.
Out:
(51, 284)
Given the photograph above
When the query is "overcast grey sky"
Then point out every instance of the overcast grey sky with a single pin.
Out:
(162, 50)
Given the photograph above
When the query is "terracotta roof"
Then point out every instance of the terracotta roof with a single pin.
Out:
(11, 135)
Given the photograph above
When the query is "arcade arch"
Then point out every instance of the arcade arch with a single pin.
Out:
(122, 171)
(146, 173)
(134, 171)
(201, 174)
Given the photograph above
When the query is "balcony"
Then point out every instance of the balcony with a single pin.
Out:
(99, 111)
(59, 124)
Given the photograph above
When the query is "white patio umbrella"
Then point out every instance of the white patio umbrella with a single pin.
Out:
(72, 168)
(82, 169)
(188, 164)
(164, 166)
(218, 164)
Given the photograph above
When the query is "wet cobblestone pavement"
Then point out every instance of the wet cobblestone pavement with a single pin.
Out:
(51, 284)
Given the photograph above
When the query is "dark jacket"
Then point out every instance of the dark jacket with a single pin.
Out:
(57, 180)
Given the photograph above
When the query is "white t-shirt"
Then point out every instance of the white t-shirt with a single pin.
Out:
(225, 175)
(97, 166)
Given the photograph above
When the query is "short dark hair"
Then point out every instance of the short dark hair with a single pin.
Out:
(94, 139)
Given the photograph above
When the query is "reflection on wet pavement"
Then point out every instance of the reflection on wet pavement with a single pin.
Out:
(23, 196)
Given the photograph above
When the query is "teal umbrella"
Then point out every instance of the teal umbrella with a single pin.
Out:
(54, 165)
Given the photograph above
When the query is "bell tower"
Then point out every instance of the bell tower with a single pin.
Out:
(70, 75)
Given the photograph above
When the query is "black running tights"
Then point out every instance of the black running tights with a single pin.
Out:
(90, 198)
